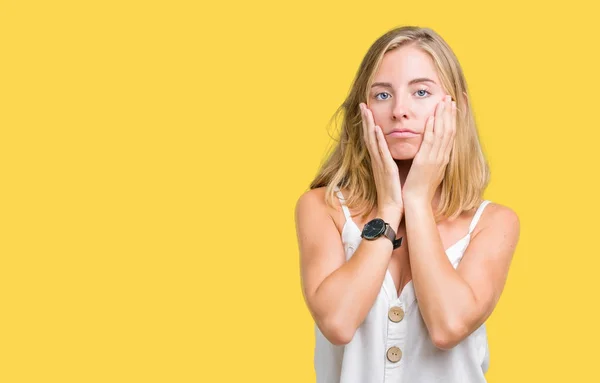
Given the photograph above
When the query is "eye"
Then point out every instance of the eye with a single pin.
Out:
(378, 94)
(423, 90)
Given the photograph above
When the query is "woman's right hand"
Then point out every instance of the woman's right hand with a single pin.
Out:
(385, 171)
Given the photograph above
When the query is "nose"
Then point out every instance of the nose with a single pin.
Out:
(399, 109)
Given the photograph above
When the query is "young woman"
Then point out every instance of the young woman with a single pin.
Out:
(401, 260)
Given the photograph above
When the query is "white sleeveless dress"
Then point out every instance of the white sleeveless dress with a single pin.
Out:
(393, 344)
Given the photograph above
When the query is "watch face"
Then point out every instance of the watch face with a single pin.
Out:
(373, 229)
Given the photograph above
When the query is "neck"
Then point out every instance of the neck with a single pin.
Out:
(404, 168)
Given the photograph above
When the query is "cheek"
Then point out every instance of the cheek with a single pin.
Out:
(378, 115)
(427, 110)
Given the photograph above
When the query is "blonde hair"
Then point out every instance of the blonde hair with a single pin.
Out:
(349, 164)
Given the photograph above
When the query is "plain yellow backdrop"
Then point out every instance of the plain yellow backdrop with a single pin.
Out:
(152, 153)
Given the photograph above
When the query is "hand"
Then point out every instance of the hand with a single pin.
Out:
(385, 170)
(429, 165)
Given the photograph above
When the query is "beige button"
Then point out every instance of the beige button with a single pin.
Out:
(394, 354)
(396, 314)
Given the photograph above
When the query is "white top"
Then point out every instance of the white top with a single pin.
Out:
(393, 344)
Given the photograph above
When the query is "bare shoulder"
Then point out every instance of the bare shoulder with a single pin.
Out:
(312, 204)
(498, 217)
(311, 197)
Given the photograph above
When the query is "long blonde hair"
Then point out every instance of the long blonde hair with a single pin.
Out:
(348, 166)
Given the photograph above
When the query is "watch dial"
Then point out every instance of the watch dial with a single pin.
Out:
(374, 228)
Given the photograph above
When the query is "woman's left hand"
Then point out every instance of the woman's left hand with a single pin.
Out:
(428, 167)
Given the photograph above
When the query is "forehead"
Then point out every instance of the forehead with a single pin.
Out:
(404, 64)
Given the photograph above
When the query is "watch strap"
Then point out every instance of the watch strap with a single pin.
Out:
(391, 234)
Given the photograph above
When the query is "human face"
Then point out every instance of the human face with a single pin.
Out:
(404, 94)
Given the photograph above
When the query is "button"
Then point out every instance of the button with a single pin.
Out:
(394, 354)
(396, 314)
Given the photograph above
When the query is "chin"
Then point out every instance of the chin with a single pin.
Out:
(404, 152)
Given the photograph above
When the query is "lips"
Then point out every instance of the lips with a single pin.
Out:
(403, 133)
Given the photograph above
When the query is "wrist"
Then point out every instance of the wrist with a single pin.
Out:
(391, 216)
(415, 201)
(382, 226)
(417, 206)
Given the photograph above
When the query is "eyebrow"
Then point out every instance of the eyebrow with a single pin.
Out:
(414, 81)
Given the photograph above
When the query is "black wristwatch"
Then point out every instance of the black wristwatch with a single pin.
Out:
(377, 227)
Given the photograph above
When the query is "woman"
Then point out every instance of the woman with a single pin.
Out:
(403, 268)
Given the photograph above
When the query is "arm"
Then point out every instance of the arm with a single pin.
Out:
(454, 303)
(339, 294)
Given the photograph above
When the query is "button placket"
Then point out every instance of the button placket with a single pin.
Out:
(394, 354)
(396, 314)
(396, 326)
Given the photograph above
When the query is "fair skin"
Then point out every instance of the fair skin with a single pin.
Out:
(408, 169)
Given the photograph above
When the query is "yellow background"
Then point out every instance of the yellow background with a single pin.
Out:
(152, 153)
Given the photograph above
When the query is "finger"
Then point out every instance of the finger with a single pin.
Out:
(364, 122)
(447, 134)
(451, 132)
(438, 131)
(384, 150)
(439, 116)
(371, 139)
(428, 138)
